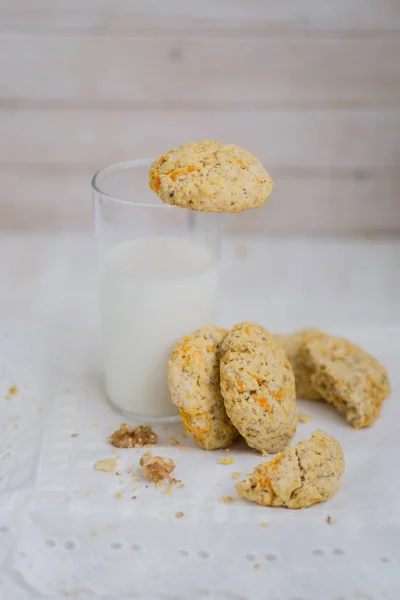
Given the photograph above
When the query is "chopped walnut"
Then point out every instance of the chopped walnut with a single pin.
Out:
(126, 437)
(157, 468)
(226, 461)
(303, 418)
(108, 465)
(227, 499)
(179, 515)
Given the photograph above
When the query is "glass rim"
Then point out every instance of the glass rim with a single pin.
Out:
(120, 166)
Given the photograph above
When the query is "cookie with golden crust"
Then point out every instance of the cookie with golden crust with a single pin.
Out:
(292, 345)
(298, 477)
(209, 176)
(193, 379)
(347, 377)
(257, 384)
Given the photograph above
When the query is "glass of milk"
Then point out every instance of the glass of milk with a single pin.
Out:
(158, 283)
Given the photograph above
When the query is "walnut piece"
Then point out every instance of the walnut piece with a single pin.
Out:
(157, 468)
(109, 465)
(137, 437)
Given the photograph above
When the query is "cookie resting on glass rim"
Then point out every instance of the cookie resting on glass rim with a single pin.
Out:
(208, 176)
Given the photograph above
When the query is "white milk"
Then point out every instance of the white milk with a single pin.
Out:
(153, 292)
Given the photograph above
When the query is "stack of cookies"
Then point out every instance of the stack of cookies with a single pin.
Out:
(244, 382)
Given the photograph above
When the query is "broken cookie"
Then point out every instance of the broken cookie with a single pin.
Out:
(347, 377)
(292, 344)
(298, 477)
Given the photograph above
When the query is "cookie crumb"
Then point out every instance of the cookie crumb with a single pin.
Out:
(303, 418)
(174, 442)
(227, 499)
(134, 497)
(108, 465)
(74, 435)
(94, 533)
(226, 461)
(93, 425)
(235, 475)
(119, 496)
(264, 524)
(330, 521)
(179, 515)
(257, 565)
(40, 410)
(264, 453)
(181, 485)
(157, 468)
(12, 391)
(137, 437)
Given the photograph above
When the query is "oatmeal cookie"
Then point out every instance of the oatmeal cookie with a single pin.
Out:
(347, 377)
(210, 177)
(193, 379)
(292, 345)
(299, 476)
(257, 384)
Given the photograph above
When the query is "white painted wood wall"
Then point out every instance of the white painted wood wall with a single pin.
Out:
(311, 87)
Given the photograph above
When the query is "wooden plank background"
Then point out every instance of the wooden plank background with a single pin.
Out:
(312, 88)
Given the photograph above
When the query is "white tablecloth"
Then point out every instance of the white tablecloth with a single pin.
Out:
(67, 530)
